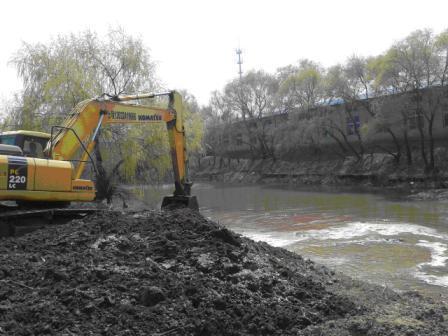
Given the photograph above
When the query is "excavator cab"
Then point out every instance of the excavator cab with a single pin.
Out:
(30, 143)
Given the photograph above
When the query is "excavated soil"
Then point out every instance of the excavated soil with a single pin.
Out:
(177, 273)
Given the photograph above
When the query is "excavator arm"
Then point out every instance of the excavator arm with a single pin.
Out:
(75, 139)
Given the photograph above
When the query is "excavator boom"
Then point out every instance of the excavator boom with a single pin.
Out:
(81, 128)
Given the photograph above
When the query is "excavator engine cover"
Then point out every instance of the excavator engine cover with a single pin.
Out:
(174, 202)
(31, 179)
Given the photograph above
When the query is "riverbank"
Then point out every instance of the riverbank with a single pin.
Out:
(375, 170)
(177, 273)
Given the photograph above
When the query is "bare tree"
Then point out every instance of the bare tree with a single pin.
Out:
(340, 84)
(418, 70)
(253, 99)
(302, 90)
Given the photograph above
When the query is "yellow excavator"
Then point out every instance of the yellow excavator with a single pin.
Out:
(46, 169)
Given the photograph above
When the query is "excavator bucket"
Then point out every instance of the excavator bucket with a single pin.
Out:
(176, 202)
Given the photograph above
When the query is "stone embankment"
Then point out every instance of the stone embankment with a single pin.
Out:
(371, 170)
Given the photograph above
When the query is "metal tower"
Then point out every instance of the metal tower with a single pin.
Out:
(240, 61)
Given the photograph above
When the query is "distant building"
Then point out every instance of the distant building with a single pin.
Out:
(397, 113)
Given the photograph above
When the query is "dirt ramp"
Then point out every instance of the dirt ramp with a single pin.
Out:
(177, 273)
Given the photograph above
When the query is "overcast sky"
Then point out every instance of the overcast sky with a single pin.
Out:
(194, 41)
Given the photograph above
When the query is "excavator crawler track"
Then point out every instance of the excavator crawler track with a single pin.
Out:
(19, 222)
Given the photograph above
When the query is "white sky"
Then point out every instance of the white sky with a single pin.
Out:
(194, 41)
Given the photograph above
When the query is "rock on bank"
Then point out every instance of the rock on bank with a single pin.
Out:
(177, 273)
(376, 169)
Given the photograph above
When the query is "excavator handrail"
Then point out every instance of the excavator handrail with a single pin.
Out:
(80, 142)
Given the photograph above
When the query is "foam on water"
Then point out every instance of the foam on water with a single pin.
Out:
(361, 229)
(438, 259)
(271, 239)
(371, 232)
(366, 232)
(433, 279)
(438, 253)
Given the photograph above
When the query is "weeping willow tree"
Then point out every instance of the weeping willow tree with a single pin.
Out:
(70, 68)
(144, 152)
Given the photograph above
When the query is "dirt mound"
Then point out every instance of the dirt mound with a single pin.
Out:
(176, 273)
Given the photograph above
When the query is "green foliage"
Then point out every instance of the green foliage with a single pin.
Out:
(194, 123)
(71, 68)
(302, 88)
(252, 98)
(410, 66)
(145, 148)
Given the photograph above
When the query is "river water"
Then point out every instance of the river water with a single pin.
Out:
(381, 238)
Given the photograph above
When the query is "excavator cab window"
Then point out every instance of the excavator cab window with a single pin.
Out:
(8, 140)
(33, 148)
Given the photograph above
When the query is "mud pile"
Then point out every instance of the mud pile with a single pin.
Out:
(176, 273)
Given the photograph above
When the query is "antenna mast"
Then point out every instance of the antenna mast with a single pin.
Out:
(240, 61)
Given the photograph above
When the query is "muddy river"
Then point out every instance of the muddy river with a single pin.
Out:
(381, 238)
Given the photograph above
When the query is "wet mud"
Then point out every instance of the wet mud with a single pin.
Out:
(177, 273)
